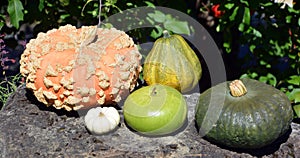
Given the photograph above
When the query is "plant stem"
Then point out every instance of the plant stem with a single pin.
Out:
(237, 88)
(6, 83)
(99, 19)
(166, 34)
(154, 92)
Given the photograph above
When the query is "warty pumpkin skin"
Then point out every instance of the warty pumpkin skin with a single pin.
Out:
(248, 120)
(172, 62)
(71, 68)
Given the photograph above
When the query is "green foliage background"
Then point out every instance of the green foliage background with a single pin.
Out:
(272, 42)
(271, 39)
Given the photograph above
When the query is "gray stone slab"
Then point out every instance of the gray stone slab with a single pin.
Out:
(30, 129)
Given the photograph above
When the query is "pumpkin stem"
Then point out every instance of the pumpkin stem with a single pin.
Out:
(166, 34)
(237, 88)
(154, 92)
(101, 114)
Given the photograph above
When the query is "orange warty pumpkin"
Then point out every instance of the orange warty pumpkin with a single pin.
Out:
(80, 68)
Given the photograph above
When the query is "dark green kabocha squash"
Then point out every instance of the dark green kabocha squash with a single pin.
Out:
(243, 113)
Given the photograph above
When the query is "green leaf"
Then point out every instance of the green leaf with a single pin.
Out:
(179, 27)
(269, 79)
(232, 16)
(288, 19)
(295, 95)
(244, 25)
(241, 27)
(292, 10)
(257, 33)
(64, 2)
(246, 17)
(244, 76)
(229, 5)
(64, 16)
(267, 4)
(245, 2)
(227, 40)
(112, 2)
(107, 25)
(272, 79)
(129, 4)
(149, 4)
(155, 34)
(290, 87)
(15, 11)
(226, 44)
(1, 24)
(252, 75)
(188, 11)
(169, 17)
(218, 28)
(262, 62)
(297, 110)
(299, 21)
(41, 5)
(252, 48)
(150, 20)
(295, 80)
(157, 16)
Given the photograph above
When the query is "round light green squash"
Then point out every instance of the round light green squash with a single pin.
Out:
(155, 110)
(243, 114)
(172, 62)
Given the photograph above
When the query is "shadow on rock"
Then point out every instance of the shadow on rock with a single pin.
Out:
(266, 150)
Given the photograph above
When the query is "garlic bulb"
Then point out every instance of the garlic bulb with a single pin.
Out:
(101, 120)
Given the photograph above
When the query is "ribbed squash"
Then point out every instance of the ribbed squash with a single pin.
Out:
(251, 114)
(172, 62)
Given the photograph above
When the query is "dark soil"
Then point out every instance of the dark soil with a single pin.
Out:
(30, 129)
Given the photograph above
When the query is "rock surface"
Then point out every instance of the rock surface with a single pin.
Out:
(29, 129)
